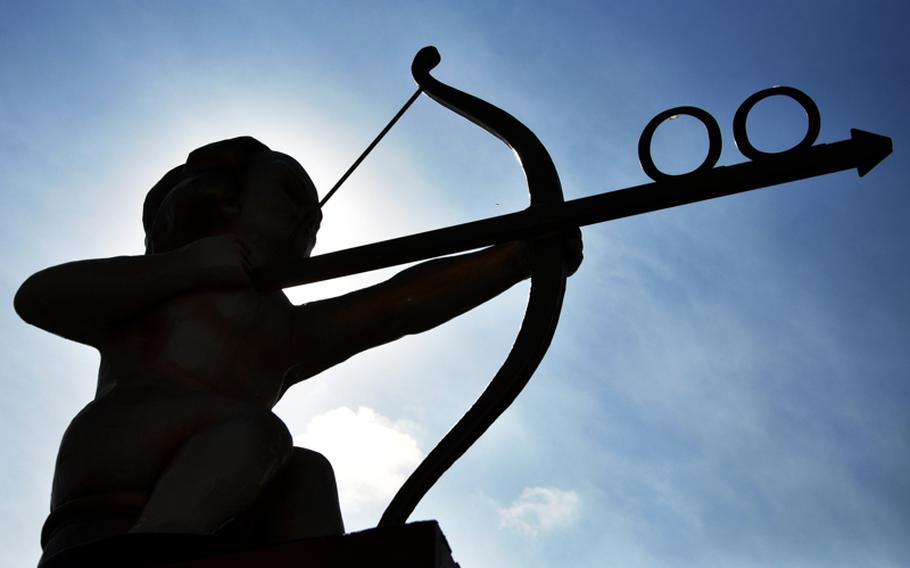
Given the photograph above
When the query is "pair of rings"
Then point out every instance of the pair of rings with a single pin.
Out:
(740, 135)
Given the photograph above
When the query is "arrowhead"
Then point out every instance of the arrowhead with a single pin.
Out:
(871, 149)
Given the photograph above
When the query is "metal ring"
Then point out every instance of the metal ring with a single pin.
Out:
(714, 142)
(741, 135)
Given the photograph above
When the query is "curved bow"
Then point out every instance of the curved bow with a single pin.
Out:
(544, 305)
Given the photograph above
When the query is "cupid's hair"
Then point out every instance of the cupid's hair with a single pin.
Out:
(184, 205)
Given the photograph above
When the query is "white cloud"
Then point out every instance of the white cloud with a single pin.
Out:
(372, 457)
(541, 509)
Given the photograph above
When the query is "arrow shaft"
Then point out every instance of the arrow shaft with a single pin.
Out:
(726, 180)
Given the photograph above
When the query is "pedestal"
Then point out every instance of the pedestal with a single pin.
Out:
(415, 545)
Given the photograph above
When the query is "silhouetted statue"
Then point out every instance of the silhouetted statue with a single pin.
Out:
(180, 437)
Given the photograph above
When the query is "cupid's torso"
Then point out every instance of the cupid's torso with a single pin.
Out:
(231, 343)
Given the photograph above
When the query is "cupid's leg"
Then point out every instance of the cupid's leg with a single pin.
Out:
(301, 502)
(217, 474)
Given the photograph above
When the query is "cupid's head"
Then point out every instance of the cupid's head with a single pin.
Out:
(235, 186)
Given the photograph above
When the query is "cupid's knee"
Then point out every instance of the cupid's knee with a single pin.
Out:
(261, 429)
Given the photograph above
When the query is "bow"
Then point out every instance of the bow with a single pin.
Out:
(548, 283)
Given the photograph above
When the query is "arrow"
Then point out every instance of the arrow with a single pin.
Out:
(863, 151)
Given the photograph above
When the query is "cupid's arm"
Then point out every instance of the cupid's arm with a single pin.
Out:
(84, 300)
(420, 298)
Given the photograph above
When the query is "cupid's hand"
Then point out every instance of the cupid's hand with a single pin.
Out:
(222, 261)
(569, 241)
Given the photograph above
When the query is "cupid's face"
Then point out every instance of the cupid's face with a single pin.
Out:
(280, 213)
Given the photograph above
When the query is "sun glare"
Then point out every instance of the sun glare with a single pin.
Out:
(322, 147)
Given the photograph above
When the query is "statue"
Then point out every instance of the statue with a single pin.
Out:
(198, 343)
(180, 438)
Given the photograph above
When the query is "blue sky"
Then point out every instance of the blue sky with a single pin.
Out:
(729, 382)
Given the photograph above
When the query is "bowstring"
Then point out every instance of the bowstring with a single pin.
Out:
(370, 147)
